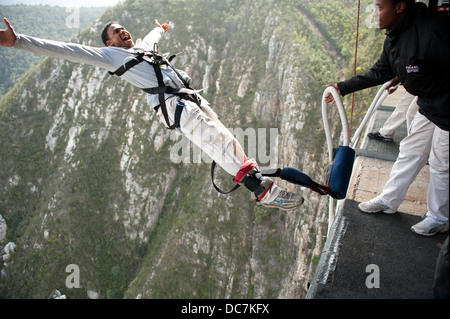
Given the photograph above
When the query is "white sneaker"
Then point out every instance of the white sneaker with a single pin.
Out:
(429, 227)
(376, 205)
(285, 201)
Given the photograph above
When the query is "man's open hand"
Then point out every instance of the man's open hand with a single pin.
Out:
(329, 98)
(7, 36)
(393, 85)
(164, 26)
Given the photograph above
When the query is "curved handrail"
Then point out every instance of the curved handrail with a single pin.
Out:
(343, 116)
(378, 99)
(346, 137)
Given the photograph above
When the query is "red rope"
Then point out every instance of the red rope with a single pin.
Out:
(354, 65)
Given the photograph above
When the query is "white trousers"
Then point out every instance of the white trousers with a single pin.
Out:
(203, 128)
(405, 109)
(425, 142)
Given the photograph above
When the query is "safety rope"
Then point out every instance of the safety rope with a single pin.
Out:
(354, 65)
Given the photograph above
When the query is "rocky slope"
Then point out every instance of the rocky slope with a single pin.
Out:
(87, 176)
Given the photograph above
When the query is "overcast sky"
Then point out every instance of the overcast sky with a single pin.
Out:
(65, 3)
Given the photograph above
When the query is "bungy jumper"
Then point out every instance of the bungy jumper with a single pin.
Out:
(249, 175)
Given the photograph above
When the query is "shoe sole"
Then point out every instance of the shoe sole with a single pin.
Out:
(284, 208)
(429, 234)
(381, 139)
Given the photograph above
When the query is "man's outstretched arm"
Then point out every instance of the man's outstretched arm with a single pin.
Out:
(68, 51)
(153, 37)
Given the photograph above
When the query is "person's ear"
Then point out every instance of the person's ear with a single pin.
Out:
(109, 44)
(400, 7)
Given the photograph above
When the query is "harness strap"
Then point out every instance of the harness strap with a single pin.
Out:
(253, 182)
(178, 111)
(131, 63)
(245, 168)
(213, 167)
(161, 97)
(184, 93)
(319, 188)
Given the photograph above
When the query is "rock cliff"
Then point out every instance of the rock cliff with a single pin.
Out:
(87, 176)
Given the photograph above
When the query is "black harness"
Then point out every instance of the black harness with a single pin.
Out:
(156, 59)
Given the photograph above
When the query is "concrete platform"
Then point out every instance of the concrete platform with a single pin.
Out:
(406, 261)
(371, 174)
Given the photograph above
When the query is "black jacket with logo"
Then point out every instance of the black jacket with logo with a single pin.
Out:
(417, 52)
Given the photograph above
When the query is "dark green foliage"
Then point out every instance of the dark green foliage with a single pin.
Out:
(41, 21)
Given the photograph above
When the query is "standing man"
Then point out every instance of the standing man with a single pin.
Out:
(168, 92)
(416, 50)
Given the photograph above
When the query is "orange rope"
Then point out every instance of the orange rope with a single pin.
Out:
(354, 66)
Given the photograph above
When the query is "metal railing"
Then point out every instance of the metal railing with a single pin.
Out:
(334, 205)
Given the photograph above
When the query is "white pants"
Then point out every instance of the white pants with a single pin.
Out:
(204, 129)
(425, 141)
(405, 109)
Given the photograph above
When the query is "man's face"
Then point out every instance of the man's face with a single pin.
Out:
(119, 37)
(386, 14)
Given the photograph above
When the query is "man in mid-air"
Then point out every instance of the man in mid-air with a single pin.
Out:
(177, 105)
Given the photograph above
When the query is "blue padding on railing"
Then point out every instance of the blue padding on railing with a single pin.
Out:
(341, 172)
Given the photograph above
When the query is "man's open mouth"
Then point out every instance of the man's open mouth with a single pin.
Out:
(126, 37)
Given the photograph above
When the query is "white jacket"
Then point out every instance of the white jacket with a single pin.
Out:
(109, 58)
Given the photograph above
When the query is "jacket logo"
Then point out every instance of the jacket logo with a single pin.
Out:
(412, 69)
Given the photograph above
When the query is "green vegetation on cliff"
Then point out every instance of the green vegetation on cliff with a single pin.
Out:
(86, 173)
(48, 22)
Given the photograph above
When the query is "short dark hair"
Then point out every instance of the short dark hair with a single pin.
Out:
(409, 3)
(105, 31)
(420, 7)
